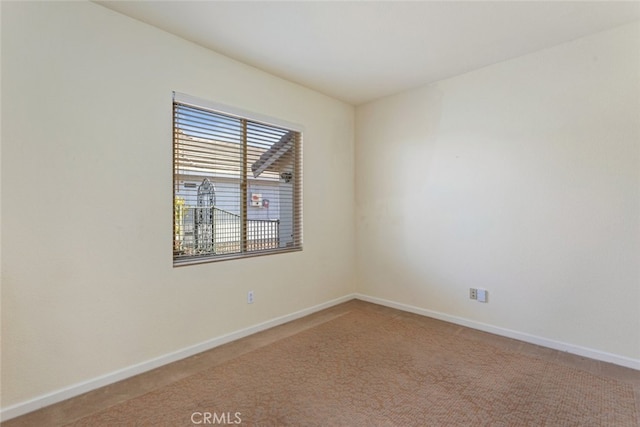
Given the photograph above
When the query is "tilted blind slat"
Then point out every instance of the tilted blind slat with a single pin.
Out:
(237, 186)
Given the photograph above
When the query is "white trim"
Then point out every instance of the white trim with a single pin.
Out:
(235, 111)
(533, 339)
(121, 374)
(110, 378)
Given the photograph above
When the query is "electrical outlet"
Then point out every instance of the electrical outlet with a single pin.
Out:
(250, 297)
(473, 293)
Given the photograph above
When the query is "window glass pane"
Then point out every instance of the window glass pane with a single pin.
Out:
(235, 186)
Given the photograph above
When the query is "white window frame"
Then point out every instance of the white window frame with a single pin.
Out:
(179, 256)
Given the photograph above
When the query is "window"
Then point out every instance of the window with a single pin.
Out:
(237, 184)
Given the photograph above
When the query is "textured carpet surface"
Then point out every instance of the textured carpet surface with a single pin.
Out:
(371, 369)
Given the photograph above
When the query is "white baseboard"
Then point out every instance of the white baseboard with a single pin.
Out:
(113, 377)
(556, 345)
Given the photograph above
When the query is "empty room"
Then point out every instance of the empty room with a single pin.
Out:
(343, 213)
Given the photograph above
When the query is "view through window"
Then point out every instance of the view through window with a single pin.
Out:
(236, 186)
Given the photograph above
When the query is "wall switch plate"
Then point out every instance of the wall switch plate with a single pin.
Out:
(482, 295)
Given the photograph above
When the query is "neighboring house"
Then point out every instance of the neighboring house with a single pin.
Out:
(279, 159)
(208, 195)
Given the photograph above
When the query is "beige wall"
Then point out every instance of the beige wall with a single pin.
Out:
(522, 178)
(88, 286)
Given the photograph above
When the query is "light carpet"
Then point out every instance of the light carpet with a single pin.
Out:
(367, 368)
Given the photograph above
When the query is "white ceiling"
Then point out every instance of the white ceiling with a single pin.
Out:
(357, 51)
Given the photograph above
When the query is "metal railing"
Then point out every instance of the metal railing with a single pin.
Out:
(214, 231)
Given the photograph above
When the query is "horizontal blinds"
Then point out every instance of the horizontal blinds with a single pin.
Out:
(237, 186)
